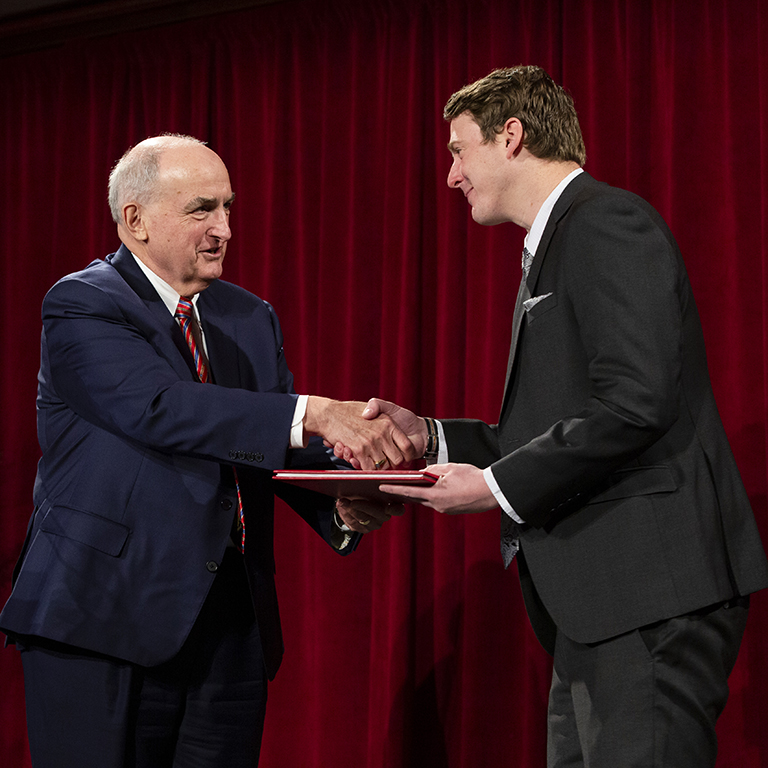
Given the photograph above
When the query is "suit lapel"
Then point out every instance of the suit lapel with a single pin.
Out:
(562, 205)
(167, 335)
(220, 336)
(527, 288)
(219, 331)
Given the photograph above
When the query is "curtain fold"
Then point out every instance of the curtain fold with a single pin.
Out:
(416, 650)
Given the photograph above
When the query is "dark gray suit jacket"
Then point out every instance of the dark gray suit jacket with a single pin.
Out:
(609, 444)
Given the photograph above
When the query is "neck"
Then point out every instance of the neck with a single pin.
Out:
(540, 180)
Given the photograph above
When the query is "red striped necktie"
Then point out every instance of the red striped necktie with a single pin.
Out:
(189, 327)
(186, 317)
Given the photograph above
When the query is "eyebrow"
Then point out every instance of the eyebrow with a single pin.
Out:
(203, 202)
(453, 146)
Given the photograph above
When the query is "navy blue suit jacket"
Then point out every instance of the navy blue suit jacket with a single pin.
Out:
(134, 496)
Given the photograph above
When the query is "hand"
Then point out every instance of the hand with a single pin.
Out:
(412, 426)
(364, 516)
(461, 489)
(377, 444)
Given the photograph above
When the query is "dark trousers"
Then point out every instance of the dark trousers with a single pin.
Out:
(202, 709)
(646, 699)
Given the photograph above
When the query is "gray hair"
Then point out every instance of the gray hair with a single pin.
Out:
(134, 177)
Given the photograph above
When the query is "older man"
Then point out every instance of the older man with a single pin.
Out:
(144, 601)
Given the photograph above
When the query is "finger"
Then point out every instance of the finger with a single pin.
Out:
(363, 524)
(376, 446)
(372, 514)
(404, 444)
(349, 515)
(405, 492)
(344, 453)
(382, 463)
(366, 463)
(392, 452)
(377, 515)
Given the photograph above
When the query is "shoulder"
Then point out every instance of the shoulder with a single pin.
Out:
(99, 281)
(228, 298)
(99, 272)
(598, 201)
(611, 231)
(238, 305)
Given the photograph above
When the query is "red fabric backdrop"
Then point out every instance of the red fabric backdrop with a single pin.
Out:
(416, 651)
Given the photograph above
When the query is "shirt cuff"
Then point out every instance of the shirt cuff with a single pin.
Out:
(298, 436)
(499, 496)
(341, 534)
(442, 447)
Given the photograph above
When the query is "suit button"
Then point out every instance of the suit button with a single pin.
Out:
(259, 457)
(212, 566)
(251, 456)
(226, 504)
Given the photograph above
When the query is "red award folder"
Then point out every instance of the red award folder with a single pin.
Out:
(353, 483)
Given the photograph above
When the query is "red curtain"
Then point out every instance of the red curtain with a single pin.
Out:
(415, 651)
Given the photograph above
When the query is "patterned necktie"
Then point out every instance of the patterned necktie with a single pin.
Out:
(186, 317)
(189, 327)
(527, 261)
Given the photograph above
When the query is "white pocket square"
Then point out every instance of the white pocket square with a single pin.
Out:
(528, 304)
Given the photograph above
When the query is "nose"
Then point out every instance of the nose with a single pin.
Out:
(455, 176)
(220, 225)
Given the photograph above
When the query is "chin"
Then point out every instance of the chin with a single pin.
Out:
(481, 218)
(211, 274)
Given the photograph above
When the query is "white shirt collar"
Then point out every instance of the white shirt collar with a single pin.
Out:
(533, 238)
(169, 295)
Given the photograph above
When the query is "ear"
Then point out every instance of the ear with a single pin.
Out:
(133, 221)
(513, 135)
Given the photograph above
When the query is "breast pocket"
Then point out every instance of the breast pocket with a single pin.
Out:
(536, 306)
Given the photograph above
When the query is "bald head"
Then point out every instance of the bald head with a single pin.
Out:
(134, 178)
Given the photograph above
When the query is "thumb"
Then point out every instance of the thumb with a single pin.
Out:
(374, 408)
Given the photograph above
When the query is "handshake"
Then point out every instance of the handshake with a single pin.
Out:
(371, 436)
(381, 435)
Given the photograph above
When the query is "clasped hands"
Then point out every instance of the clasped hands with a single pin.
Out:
(396, 434)
(358, 436)
(374, 444)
